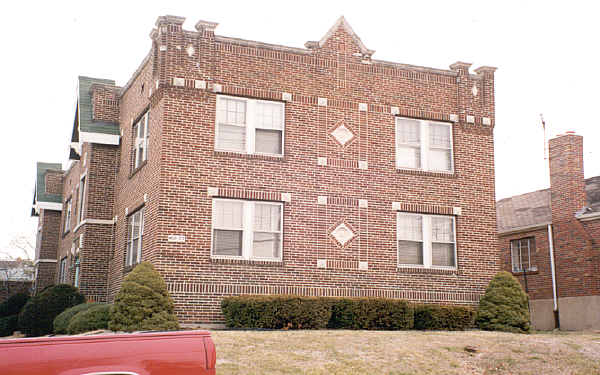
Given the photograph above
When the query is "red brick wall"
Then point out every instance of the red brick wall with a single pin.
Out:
(105, 103)
(50, 224)
(182, 164)
(53, 182)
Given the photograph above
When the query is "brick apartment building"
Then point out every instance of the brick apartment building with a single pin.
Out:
(557, 228)
(241, 167)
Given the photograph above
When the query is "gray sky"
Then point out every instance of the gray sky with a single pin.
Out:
(546, 53)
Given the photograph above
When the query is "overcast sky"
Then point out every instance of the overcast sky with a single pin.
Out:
(546, 53)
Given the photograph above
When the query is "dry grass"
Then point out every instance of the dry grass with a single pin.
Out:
(405, 352)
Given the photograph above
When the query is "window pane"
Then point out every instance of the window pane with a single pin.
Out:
(228, 214)
(409, 157)
(516, 262)
(267, 217)
(410, 227)
(269, 115)
(440, 160)
(268, 141)
(439, 136)
(408, 131)
(134, 246)
(227, 242)
(231, 111)
(266, 245)
(442, 229)
(410, 252)
(231, 137)
(442, 254)
(141, 126)
(135, 219)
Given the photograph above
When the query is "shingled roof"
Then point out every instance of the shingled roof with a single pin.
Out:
(530, 210)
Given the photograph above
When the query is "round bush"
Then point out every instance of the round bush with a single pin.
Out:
(143, 303)
(14, 304)
(61, 322)
(8, 325)
(37, 317)
(504, 306)
(91, 319)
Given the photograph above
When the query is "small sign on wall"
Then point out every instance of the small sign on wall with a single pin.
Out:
(176, 238)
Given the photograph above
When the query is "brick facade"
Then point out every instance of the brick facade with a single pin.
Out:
(331, 82)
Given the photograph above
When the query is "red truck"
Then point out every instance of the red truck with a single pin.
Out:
(156, 353)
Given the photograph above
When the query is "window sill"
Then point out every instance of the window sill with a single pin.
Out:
(242, 155)
(420, 172)
(133, 172)
(529, 272)
(416, 269)
(253, 262)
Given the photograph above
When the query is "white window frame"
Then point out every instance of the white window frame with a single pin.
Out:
(250, 125)
(247, 230)
(67, 227)
(77, 267)
(142, 123)
(427, 240)
(512, 255)
(62, 274)
(424, 145)
(129, 250)
(81, 197)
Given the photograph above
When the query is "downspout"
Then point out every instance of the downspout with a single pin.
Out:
(553, 269)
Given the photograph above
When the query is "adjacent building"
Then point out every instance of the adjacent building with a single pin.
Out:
(550, 240)
(242, 167)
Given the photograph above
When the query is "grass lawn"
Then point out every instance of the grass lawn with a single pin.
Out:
(405, 352)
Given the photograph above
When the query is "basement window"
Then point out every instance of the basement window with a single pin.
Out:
(427, 241)
(247, 229)
(249, 126)
(520, 253)
(424, 145)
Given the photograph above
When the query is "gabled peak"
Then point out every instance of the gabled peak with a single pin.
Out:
(341, 23)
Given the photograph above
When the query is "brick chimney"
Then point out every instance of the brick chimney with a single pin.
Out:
(566, 176)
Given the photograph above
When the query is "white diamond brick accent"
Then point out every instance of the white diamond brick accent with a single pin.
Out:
(162, 48)
(217, 87)
(177, 81)
(286, 96)
(322, 199)
(200, 84)
(454, 118)
(471, 119)
(457, 211)
(321, 263)
(286, 197)
(363, 203)
(363, 164)
(395, 110)
(363, 265)
(145, 197)
(342, 234)
(126, 211)
(342, 134)
(190, 50)
(363, 107)
(212, 191)
(322, 161)
(486, 121)
(322, 102)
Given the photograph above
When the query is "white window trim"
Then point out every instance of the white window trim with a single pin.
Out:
(81, 197)
(143, 121)
(250, 125)
(68, 215)
(427, 242)
(425, 145)
(247, 230)
(129, 243)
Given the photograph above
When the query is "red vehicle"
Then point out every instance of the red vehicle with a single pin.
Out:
(156, 353)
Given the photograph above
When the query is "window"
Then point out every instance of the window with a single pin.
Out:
(520, 251)
(423, 145)
(67, 216)
(140, 140)
(247, 229)
(135, 232)
(77, 271)
(62, 272)
(249, 126)
(426, 240)
(80, 199)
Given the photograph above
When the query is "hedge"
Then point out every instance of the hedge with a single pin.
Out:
(13, 305)
(8, 325)
(91, 319)
(438, 317)
(61, 322)
(294, 312)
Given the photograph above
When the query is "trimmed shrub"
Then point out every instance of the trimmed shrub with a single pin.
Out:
(143, 303)
(504, 306)
(371, 313)
(439, 317)
(62, 320)
(37, 317)
(8, 325)
(91, 319)
(276, 312)
(14, 304)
